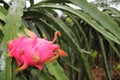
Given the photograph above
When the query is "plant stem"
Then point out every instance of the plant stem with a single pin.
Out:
(8, 69)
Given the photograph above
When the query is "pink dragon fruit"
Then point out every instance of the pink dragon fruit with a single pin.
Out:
(34, 51)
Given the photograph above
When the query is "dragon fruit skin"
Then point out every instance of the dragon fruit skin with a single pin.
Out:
(33, 51)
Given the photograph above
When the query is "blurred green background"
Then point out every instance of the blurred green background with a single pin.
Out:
(90, 35)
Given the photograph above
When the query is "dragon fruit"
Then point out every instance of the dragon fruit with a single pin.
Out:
(34, 51)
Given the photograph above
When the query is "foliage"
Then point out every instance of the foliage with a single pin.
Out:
(107, 3)
(86, 33)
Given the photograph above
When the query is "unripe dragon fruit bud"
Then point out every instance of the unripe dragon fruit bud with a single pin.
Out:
(34, 51)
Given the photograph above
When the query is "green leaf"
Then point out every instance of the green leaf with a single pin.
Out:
(3, 10)
(2, 77)
(54, 1)
(1, 27)
(13, 20)
(104, 57)
(100, 28)
(3, 13)
(31, 2)
(104, 20)
(10, 30)
(118, 67)
(56, 70)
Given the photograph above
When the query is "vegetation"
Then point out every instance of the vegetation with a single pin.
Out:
(90, 37)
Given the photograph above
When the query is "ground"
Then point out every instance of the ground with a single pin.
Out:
(99, 73)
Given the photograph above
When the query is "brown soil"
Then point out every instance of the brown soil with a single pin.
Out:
(99, 73)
